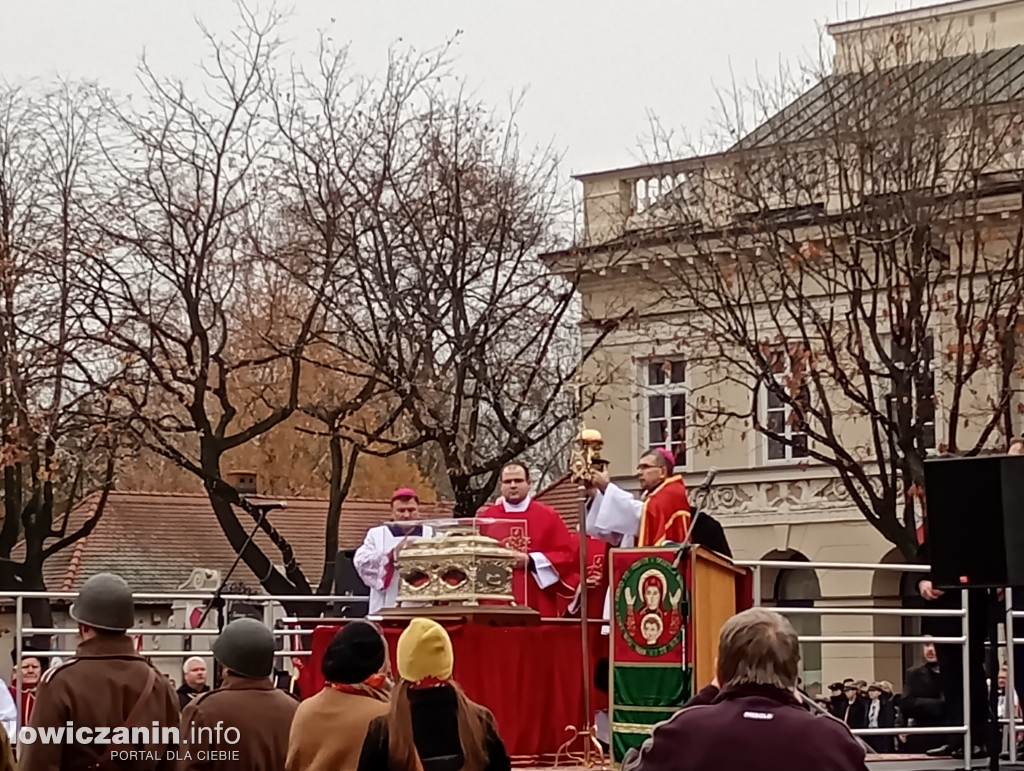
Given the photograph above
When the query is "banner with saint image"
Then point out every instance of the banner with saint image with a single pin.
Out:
(652, 669)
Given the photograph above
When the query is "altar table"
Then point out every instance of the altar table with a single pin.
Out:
(530, 677)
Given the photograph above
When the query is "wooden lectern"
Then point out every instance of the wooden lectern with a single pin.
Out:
(664, 632)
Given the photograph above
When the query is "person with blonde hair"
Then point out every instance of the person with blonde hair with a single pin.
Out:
(431, 724)
(757, 719)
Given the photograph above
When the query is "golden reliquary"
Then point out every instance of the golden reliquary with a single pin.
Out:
(458, 565)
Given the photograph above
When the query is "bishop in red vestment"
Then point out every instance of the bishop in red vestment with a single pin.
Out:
(665, 516)
(549, 553)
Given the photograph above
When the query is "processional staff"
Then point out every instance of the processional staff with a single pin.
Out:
(581, 470)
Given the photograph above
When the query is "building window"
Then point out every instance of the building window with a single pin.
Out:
(665, 393)
(786, 437)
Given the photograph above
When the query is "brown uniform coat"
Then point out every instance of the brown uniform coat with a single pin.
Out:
(262, 715)
(98, 689)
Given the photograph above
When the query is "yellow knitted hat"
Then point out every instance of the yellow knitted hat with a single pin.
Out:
(424, 650)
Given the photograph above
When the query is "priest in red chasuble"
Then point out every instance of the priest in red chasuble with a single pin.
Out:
(665, 516)
(550, 553)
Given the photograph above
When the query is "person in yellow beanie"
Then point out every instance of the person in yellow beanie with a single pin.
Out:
(431, 725)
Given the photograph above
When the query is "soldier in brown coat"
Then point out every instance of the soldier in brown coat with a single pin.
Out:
(115, 699)
(244, 724)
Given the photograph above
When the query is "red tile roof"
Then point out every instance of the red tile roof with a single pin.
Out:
(155, 540)
(563, 495)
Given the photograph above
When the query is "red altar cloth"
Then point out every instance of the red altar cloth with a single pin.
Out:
(528, 676)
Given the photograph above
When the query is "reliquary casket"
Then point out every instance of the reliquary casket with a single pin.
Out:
(456, 565)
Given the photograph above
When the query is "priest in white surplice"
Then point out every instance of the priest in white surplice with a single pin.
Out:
(614, 514)
(374, 561)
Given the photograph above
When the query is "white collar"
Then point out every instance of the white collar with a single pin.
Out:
(522, 506)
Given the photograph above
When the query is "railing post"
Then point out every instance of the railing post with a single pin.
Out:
(966, 677)
(757, 586)
(19, 624)
(1011, 689)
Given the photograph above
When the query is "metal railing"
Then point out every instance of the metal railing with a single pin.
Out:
(1012, 641)
(757, 566)
(169, 598)
(963, 640)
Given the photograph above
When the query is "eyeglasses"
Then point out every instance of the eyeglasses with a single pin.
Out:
(645, 466)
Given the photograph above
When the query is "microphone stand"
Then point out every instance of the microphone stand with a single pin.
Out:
(687, 545)
(217, 600)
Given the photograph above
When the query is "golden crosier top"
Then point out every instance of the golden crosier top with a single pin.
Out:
(587, 448)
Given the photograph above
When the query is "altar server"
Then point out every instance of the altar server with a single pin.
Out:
(375, 560)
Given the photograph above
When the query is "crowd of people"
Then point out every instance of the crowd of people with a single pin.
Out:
(377, 715)
(922, 704)
(368, 717)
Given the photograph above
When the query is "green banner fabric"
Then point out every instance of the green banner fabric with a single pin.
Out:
(643, 717)
(641, 686)
(643, 697)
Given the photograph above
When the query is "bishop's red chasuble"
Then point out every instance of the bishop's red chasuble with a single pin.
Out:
(665, 515)
(551, 586)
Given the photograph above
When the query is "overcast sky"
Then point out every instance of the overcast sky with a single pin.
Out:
(593, 69)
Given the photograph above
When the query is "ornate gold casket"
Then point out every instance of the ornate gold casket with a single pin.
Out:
(457, 565)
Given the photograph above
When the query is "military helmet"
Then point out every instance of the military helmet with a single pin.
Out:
(246, 647)
(105, 602)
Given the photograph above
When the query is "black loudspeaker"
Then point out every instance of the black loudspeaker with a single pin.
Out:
(975, 521)
(348, 582)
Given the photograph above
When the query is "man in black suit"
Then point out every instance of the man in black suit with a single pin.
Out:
(950, 658)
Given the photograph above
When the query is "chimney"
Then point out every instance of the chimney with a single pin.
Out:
(245, 482)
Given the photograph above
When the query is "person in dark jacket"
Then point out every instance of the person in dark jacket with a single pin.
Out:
(756, 720)
(922, 705)
(856, 713)
(431, 725)
(194, 671)
(950, 658)
(881, 713)
(837, 700)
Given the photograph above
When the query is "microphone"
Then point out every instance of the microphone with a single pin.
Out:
(687, 544)
(709, 479)
(269, 505)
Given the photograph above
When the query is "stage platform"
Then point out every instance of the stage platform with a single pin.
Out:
(875, 763)
(924, 763)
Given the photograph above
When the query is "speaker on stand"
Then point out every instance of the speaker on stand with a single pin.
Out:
(348, 583)
(975, 533)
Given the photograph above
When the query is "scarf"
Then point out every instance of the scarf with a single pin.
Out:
(375, 687)
(428, 682)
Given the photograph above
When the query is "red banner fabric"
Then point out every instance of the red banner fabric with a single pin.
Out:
(650, 607)
(528, 676)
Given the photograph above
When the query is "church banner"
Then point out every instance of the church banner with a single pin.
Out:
(651, 646)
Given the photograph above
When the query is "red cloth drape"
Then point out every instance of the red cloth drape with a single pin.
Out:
(528, 676)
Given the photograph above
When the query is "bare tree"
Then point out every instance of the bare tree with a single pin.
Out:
(440, 298)
(197, 307)
(854, 266)
(57, 442)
